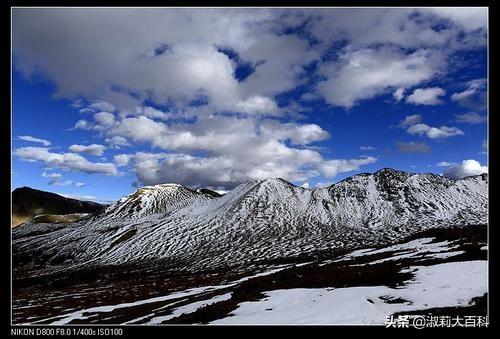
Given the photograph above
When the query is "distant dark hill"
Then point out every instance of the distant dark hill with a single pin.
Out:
(28, 202)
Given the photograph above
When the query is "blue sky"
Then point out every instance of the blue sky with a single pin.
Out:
(106, 100)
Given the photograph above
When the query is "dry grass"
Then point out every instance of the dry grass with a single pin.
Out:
(58, 219)
(47, 218)
(18, 220)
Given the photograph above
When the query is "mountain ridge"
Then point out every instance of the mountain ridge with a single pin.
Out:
(267, 219)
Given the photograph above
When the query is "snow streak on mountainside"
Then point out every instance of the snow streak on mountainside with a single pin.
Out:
(258, 220)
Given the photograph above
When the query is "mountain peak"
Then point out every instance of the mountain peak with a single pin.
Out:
(275, 184)
(276, 181)
(154, 199)
(161, 186)
(28, 189)
(22, 188)
(389, 171)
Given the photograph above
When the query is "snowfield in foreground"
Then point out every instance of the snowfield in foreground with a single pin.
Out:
(444, 285)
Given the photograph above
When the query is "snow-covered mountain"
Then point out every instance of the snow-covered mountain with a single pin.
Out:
(259, 220)
(159, 199)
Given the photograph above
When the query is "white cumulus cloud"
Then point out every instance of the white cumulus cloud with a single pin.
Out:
(122, 159)
(117, 142)
(398, 94)
(411, 120)
(168, 80)
(413, 124)
(93, 149)
(466, 168)
(103, 106)
(474, 96)
(470, 118)
(331, 168)
(434, 132)
(36, 140)
(365, 73)
(65, 161)
(51, 175)
(426, 96)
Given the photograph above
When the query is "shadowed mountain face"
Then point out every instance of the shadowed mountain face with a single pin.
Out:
(209, 192)
(28, 203)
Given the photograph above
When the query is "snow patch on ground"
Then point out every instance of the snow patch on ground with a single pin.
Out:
(423, 248)
(443, 285)
(179, 296)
